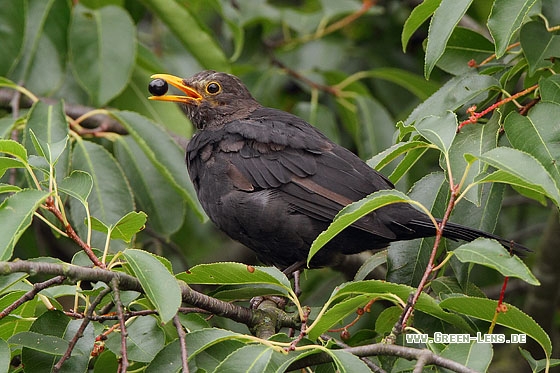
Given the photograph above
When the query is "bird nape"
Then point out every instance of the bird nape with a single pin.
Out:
(273, 182)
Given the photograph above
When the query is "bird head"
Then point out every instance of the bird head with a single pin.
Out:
(211, 98)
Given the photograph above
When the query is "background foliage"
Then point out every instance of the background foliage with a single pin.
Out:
(92, 172)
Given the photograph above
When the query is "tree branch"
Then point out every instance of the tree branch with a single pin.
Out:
(426, 356)
(126, 282)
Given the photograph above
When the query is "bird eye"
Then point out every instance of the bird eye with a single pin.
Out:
(213, 88)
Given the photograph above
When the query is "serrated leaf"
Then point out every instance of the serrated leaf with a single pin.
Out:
(6, 163)
(46, 132)
(159, 284)
(539, 45)
(520, 168)
(418, 16)
(44, 343)
(13, 148)
(129, 225)
(111, 197)
(513, 318)
(5, 356)
(78, 185)
(445, 18)
(491, 254)
(16, 213)
(370, 264)
(347, 362)
(12, 19)
(438, 130)
(393, 152)
(187, 29)
(457, 92)
(97, 39)
(42, 65)
(236, 274)
(168, 359)
(476, 356)
(144, 340)
(396, 293)
(199, 340)
(550, 89)
(354, 211)
(464, 45)
(164, 205)
(505, 20)
(537, 134)
(164, 154)
(255, 358)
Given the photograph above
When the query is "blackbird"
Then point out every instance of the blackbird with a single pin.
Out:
(273, 182)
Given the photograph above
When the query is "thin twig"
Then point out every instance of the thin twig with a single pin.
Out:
(474, 116)
(81, 329)
(31, 294)
(51, 206)
(123, 364)
(181, 333)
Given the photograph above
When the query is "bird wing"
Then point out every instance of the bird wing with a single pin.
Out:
(277, 150)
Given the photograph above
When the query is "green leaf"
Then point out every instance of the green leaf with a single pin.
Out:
(438, 130)
(163, 152)
(236, 274)
(537, 134)
(13, 148)
(370, 264)
(145, 339)
(255, 358)
(476, 140)
(16, 212)
(6, 163)
(78, 185)
(505, 20)
(125, 228)
(396, 293)
(44, 343)
(12, 19)
(354, 211)
(388, 155)
(476, 356)
(418, 16)
(43, 59)
(164, 205)
(491, 254)
(46, 132)
(168, 359)
(464, 45)
(159, 284)
(416, 84)
(199, 340)
(457, 92)
(129, 225)
(513, 318)
(110, 198)
(407, 260)
(445, 18)
(539, 45)
(347, 362)
(103, 50)
(187, 29)
(20, 319)
(550, 89)
(5, 356)
(519, 168)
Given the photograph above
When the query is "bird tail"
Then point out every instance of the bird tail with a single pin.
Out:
(460, 232)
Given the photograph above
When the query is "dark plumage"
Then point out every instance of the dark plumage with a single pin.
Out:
(273, 182)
